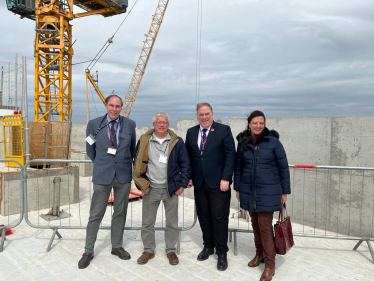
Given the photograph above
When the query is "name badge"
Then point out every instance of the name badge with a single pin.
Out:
(162, 159)
(90, 139)
(112, 151)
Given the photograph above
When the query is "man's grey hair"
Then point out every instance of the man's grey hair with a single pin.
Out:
(160, 114)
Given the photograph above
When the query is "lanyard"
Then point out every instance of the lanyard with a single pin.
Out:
(159, 148)
(100, 128)
(110, 131)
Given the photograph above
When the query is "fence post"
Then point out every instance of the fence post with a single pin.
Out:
(56, 198)
(3, 233)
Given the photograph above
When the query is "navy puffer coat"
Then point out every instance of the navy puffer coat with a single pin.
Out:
(261, 173)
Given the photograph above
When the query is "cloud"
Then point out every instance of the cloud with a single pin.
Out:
(289, 58)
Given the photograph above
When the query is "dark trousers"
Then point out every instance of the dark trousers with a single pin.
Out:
(262, 224)
(213, 209)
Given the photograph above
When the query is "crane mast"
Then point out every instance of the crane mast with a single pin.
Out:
(53, 48)
(53, 56)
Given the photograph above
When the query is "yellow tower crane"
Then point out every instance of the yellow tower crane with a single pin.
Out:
(53, 48)
(141, 65)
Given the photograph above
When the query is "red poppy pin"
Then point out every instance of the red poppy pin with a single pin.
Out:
(212, 129)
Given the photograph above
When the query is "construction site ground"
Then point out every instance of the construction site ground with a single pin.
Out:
(25, 257)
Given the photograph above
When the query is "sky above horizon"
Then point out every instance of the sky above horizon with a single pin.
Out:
(288, 58)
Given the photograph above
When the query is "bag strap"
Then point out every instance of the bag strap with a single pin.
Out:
(282, 213)
(285, 211)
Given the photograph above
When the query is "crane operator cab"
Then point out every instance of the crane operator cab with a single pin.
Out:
(106, 8)
(24, 8)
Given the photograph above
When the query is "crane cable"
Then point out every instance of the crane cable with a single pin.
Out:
(199, 21)
(97, 113)
(109, 41)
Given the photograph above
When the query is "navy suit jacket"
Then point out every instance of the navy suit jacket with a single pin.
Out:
(217, 161)
(107, 165)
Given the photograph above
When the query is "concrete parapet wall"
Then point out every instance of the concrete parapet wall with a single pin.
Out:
(85, 169)
(39, 189)
(336, 201)
(332, 201)
(78, 138)
(335, 141)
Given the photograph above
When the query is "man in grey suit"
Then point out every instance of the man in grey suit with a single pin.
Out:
(110, 144)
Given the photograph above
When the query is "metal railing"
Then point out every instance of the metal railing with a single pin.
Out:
(9, 193)
(330, 202)
(59, 198)
(326, 202)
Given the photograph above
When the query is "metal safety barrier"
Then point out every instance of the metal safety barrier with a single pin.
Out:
(59, 198)
(11, 197)
(331, 202)
(326, 202)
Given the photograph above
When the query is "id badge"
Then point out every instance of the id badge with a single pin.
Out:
(112, 151)
(90, 139)
(162, 159)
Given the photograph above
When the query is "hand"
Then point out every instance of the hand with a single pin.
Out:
(224, 185)
(284, 198)
(190, 184)
(179, 191)
(238, 196)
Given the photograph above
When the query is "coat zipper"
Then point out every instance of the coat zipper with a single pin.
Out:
(255, 178)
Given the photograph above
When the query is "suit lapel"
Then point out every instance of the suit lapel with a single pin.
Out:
(210, 136)
(195, 137)
(105, 131)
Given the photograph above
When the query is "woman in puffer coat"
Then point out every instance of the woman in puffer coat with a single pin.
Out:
(262, 182)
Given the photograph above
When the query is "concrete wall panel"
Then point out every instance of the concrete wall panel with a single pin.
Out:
(326, 200)
(352, 141)
(39, 189)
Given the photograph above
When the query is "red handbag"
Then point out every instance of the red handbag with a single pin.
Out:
(283, 232)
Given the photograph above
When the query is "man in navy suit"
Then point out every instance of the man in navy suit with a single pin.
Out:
(211, 150)
(110, 144)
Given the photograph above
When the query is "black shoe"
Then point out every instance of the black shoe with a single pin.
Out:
(121, 253)
(85, 260)
(204, 254)
(222, 262)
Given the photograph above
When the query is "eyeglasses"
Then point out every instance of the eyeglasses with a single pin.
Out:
(161, 122)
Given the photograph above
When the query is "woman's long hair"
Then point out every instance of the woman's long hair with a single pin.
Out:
(248, 138)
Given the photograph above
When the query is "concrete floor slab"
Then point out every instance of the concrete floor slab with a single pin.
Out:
(25, 257)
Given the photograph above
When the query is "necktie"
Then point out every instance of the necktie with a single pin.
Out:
(203, 140)
(113, 135)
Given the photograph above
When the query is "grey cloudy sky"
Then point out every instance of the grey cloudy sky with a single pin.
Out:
(287, 58)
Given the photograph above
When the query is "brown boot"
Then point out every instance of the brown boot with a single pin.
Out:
(173, 258)
(256, 261)
(268, 274)
(145, 257)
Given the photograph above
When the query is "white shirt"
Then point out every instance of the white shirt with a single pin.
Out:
(200, 133)
(108, 120)
(160, 141)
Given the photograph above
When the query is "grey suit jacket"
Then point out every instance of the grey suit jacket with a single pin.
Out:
(106, 166)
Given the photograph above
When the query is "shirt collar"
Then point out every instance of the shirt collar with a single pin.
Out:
(208, 129)
(153, 138)
(110, 120)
